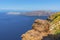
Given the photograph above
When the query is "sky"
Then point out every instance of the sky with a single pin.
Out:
(29, 4)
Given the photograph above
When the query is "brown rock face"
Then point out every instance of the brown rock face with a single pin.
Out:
(31, 35)
(40, 28)
(41, 25)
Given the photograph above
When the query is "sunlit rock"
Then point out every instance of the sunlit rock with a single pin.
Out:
(40, 28)
(41, 25)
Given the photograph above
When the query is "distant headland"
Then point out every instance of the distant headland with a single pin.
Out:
(31, 13)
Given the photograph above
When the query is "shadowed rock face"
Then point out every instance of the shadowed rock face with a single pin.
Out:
(49, 37)
(40, 28)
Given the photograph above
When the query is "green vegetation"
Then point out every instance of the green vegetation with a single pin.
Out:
(57, 32)
(53, 16)
(55, 22)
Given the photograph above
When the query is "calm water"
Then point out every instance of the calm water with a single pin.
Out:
(13, 26)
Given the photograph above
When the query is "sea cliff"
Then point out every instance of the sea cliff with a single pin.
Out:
(48, 29)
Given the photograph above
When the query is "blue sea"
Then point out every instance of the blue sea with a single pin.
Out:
(13, 26)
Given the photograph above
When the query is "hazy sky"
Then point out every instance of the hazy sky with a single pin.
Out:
(29, 4)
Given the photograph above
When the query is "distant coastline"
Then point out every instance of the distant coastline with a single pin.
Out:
(31, 13)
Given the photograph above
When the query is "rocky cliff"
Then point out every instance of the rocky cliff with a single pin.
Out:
(44, 29)
(40, 28)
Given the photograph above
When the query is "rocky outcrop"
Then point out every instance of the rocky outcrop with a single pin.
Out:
(40, 28)
(41, 25)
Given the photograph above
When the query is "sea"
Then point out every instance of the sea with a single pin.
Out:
(13, 26)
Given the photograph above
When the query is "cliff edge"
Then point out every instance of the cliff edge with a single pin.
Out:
(40, 28)
(44, 29)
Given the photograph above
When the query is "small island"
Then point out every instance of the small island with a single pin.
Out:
(13, 13)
